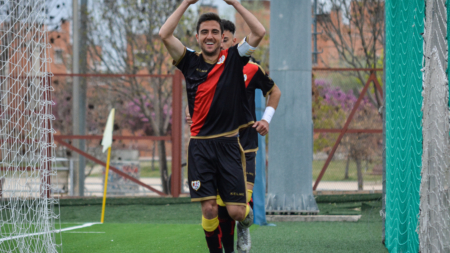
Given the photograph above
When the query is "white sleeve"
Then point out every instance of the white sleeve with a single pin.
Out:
(244, 49)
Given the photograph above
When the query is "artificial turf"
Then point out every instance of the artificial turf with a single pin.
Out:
(175, 227)
(134, 237)
(317, 237)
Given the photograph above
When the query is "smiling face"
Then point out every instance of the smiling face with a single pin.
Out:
(228, 40)
(210, 37)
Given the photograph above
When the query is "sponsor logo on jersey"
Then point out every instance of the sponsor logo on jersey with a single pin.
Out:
(196, 185)
(221, 60)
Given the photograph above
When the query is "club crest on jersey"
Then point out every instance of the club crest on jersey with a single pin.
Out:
(196, 185)
(245, 77)
(221, 60)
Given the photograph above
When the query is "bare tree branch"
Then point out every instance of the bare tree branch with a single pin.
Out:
(122, 36)
(355, 27)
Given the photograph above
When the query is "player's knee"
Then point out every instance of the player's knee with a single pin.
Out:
(239, 216)
(237, 213)
(209, 209)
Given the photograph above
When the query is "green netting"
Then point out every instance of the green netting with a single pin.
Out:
(404, 26)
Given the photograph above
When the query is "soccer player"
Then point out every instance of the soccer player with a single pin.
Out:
(218, 106)
(255, 78)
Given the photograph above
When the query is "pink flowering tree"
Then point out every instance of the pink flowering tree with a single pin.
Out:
(135, 120)
(331, 107)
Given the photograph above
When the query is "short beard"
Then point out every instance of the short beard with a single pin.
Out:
(211, 53)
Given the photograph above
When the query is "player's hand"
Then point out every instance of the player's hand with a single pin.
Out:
(191, 1)
(189, 120)
(188, 117)
(262, 127)
(231, 2)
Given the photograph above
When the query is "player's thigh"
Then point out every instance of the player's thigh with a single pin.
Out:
(231, 183)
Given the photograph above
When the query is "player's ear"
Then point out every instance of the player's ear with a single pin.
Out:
(196, 36)
(234, 41)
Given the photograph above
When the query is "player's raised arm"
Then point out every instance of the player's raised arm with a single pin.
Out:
(257, 29)
(174, 45)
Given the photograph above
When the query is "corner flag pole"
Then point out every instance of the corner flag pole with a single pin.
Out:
(106, 143)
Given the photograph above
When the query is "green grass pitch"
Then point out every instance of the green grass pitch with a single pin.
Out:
(152, 225)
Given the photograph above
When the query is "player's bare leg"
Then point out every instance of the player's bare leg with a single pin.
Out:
(210, 224)
(242, 214)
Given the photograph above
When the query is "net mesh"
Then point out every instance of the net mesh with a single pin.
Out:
(434, 233)
(26, 135)
(404, 47)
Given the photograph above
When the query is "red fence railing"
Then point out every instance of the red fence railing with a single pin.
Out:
(345, 129)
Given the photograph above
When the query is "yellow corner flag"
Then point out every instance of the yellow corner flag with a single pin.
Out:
(108, 133)
(106, 143)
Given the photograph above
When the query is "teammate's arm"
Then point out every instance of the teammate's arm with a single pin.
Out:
(274, 97)
(262, 126)
(174, 45)
(257, 29)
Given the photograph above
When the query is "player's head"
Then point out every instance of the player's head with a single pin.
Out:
(228, 34)
(209, 33)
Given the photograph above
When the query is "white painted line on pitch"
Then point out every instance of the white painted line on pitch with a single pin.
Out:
(77, 227)
(84, 232)
(348, 218)
(54, 231)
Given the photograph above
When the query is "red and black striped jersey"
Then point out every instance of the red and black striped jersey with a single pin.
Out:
(255, 78)
(216, 93)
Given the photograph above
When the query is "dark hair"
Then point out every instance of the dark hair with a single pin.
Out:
(208, 17)
(228, 26)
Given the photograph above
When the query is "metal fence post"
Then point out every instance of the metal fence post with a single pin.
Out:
(71, 185)
(176, 134)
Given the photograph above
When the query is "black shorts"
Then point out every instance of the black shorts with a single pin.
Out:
(217, 166)
(250, 160)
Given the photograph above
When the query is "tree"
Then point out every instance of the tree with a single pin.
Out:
(363, 146)
(356, 29)
(325, 115)
(331, 105)
(96, 116)
(122, 38)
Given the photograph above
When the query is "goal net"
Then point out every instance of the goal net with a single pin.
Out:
(434, 229)
(26, 137)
